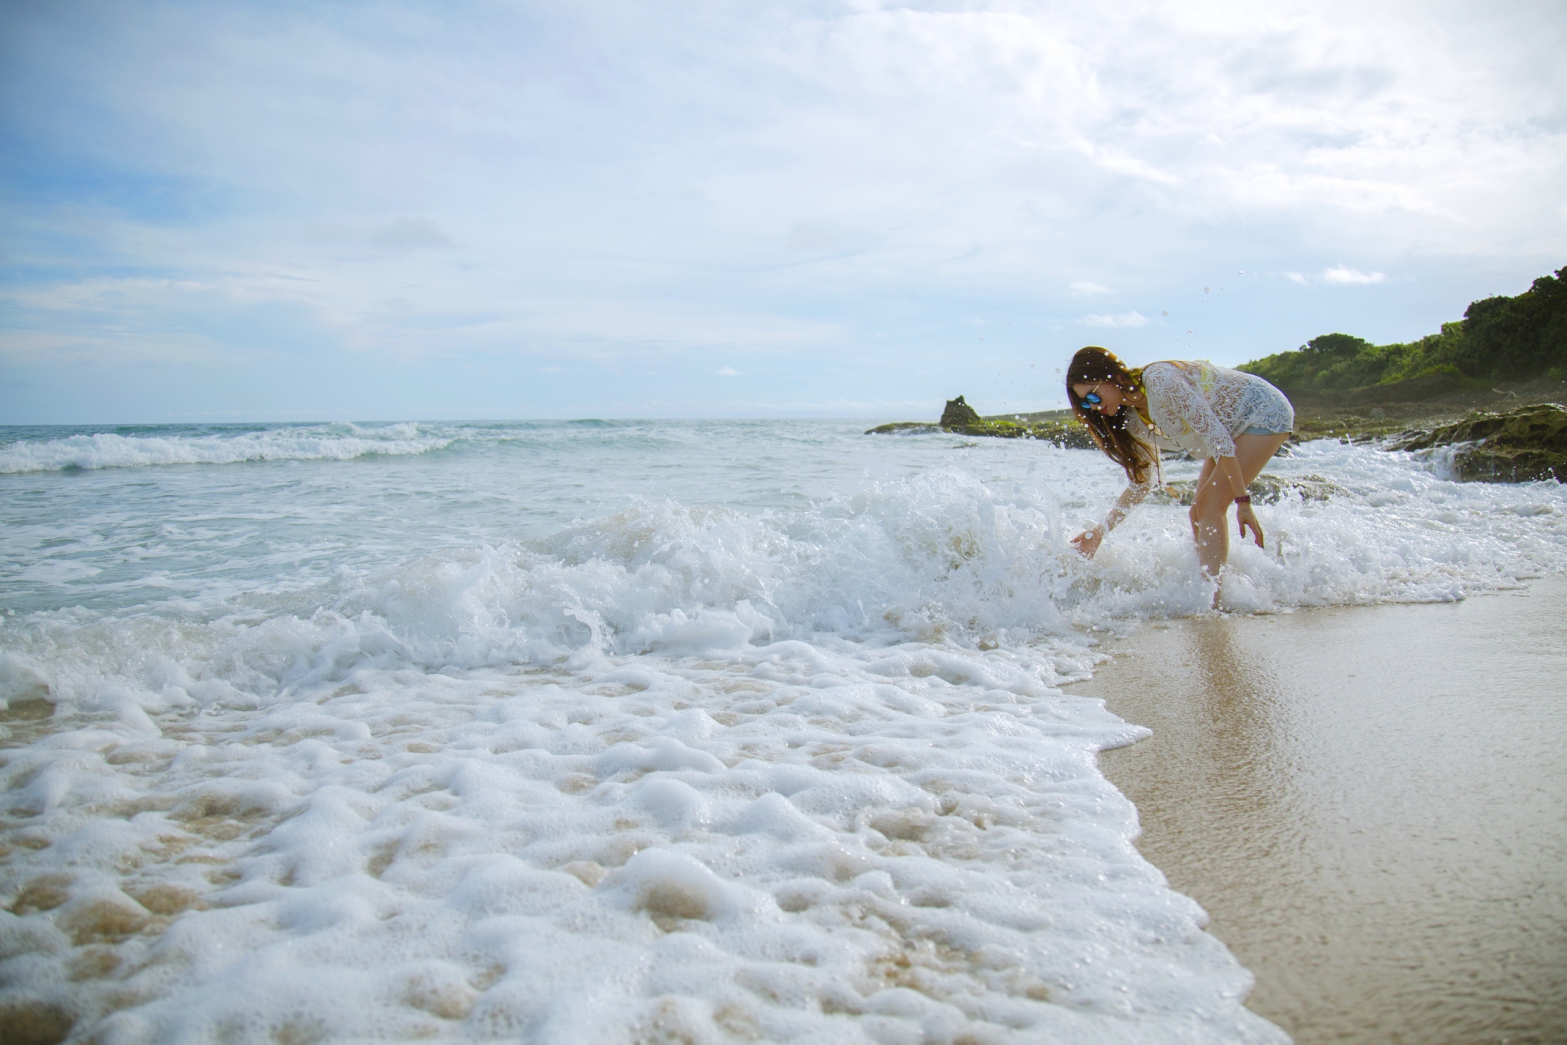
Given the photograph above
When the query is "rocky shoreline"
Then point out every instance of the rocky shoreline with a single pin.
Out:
(1507, 434)
(1511, 433)
(1523, 445)
(1053, 426)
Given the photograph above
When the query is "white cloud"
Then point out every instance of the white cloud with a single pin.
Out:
(605, 182)
(1122, 319)
(727, 371)
(1340, 274)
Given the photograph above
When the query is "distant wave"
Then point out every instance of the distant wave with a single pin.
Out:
(314, 443)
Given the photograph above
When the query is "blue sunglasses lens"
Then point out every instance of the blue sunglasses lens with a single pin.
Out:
(1092, 399)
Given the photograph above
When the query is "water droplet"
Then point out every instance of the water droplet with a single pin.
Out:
(1205, 290)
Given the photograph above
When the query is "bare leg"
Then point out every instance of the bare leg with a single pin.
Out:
(1202, 481)
(1210, 512)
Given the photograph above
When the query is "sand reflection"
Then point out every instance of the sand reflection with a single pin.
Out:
(1368, 803)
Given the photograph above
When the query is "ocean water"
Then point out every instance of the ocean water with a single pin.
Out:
(613, 732)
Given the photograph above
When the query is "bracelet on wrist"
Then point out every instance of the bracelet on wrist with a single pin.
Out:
(1244, 498)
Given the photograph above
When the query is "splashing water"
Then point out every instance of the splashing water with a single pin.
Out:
(624, 731)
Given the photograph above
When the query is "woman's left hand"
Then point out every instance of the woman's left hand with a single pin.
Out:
(1245, 517)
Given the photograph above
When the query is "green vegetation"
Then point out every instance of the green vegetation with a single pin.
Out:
(1054, 426)
(1489, 385)
(1499, 339)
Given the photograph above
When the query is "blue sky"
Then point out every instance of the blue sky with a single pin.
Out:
(368, 211)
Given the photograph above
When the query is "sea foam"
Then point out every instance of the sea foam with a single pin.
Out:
(312, 757)
(338, 442)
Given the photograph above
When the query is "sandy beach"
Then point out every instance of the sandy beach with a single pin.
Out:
(1369, 803)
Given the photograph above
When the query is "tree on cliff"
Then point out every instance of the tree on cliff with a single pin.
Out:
(1517, 338)
(1499, 339)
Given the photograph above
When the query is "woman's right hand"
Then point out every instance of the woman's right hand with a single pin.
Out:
(1245, 517)
(1088, 542)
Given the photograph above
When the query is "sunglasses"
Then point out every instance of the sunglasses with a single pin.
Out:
(1092, 398)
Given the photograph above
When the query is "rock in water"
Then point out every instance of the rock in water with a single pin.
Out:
(1519, 446)
(959, 414)
(961, 419)
(1265, 489)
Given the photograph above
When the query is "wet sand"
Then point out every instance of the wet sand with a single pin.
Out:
(1371, 803)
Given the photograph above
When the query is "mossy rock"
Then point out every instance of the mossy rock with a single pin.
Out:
(961, 419)
(1518, 446)
(1265, 489)
(1510, 466)
(1067, 435)
(958, 414)
(904, 428)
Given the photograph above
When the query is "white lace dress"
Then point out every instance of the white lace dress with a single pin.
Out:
(1200, 408)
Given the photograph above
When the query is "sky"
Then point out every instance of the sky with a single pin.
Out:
(231, 211)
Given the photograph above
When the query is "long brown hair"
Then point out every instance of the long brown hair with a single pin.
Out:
(1095, 366)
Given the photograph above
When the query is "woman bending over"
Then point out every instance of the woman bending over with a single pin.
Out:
(1232, 421)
